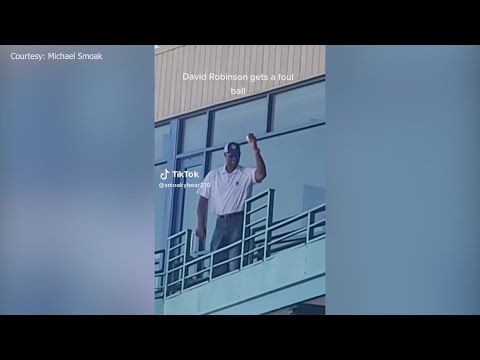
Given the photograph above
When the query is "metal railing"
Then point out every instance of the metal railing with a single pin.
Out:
(159, 273)
(184, 270)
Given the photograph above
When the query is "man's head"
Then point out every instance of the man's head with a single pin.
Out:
(232, 154)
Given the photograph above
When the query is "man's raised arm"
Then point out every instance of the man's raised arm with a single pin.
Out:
(261, 171)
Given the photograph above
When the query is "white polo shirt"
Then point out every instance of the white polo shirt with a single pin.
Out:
(228, 191)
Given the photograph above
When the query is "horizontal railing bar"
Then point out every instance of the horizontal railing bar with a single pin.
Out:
(294, 218)
(227, 247)
(278, 236)
(227, 261)
(173, 283)
(175, 258)
(179, 234)
(318, 223)
(317, 238)
(288, 221)
(275, 237)
(318, 209)
(252, 251)
(255, 222)
(257, 229)
(196, 261)
(284, 246)
(288, 235)
(257, 209)
(263, 226)
(176, 246)
(298, 238)
(209, 255)
(198, 272)
(258, 196)
(261, 232)
(286, 241)
(175, 269)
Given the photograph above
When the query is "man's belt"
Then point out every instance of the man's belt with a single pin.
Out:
(226, 216)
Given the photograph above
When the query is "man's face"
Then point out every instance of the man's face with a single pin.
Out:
(232, 159)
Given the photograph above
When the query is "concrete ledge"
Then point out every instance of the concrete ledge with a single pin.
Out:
(281, 298)
(158, 306)
(289, 268)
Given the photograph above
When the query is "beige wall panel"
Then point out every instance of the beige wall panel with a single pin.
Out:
(175, 96)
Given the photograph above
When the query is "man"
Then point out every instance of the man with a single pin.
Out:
(230, 186)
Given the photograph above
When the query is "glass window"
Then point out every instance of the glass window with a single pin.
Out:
(301, 106)
(295, 172)
(234, 123)
(194, 133)
(161, 214)
(163, 145)
(191, 200)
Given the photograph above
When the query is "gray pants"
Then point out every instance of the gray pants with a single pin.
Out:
(228, 229)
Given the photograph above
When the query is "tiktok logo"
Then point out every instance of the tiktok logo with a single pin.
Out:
(180, 174)
(164, 175)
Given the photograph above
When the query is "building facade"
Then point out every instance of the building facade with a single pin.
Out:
(277, 93)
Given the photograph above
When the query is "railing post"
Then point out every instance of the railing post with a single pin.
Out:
(269, 221)
(188, 243)
(210, 273)
(167, 263)
(162, 273)
(244, 231)
(271, 197)
(309, 223)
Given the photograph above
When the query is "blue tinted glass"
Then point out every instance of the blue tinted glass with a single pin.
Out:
(234, 123)
(191, 200)
(162, 142)
(295, 169)
(194, 133)
(301, 106)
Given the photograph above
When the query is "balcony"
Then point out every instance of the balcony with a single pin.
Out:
(280, 263)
